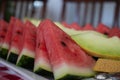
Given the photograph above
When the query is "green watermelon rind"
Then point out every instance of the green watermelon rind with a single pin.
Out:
(26, 62)
(44, 73)
(43, 67)
(4, 50)
(4, 53)
(26, 59)
(12, 57)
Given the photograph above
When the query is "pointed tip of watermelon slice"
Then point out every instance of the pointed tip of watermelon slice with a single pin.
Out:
(102, 28)
(88, 27)
(66, 48)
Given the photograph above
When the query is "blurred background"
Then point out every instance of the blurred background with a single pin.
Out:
(80, 11)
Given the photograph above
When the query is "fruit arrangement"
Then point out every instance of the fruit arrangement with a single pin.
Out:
(59, 50)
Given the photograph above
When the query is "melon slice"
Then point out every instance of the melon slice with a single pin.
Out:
(7, 40)
(16, 42)
(42, 63)
(73, 32)
(99, 46)
(27, 55)
(3, 32)
(107, 65)
(69, 61)
(103, 29)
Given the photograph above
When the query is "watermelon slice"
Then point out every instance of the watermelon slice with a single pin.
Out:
(103, 29)
(3, 31)
(16, 42)
(68, 60)
(42, 63)
(7, 40)
(76, 26)
(114, 32)
(88, 27)
(27, 55)
(66, 24)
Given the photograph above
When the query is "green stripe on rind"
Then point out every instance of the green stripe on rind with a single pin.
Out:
(12, 57)
(70, 77)
(3, 53)
(44, 73)
(26, 62)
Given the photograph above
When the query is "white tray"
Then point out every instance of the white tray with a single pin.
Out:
(25, 73)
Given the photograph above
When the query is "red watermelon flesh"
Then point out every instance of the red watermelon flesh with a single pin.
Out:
(7, 41)
(88, 27)
(29, 36)
(27, 54)
(42, 63)
(10, 30)
(66, 24)
(114, 32)
(103, 29)
(3, 31)
(76, 26)
(16, 42)
(68, 60)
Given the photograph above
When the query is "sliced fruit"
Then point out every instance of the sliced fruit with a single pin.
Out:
(76, 26)
(3, 32)
(8, 39)
(34, 21)
(114, 32)
(16, 42)
(88, 27)
(69, 61)
(27, 55)
(73, 32)
(42, 63)
(107, 65)
(103, 29)
(99, 46)
(65, 24)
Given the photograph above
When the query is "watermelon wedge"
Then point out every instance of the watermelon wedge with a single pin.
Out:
(8, 38)
(68, 60)
(42, 63)
(103, 29)
(114, 32)
(88, 27)
(27, 55)
(3, 31)
(16, 42)
(76, 26)
(65, 24)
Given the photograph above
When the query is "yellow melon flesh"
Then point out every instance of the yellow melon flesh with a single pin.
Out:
(107, 65)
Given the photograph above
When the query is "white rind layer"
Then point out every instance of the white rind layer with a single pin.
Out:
(26, 52)
(14, 50)
(64, 69)
(41, 63)
(5, 45)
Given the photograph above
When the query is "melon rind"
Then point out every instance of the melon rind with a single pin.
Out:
(13, 55)
(4, 50)
(43, 68)
(26, 59)
(69, 72)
